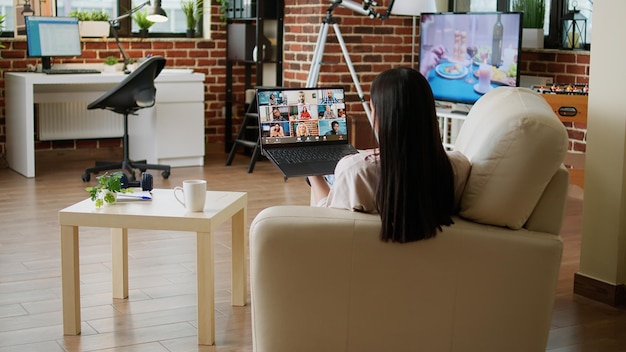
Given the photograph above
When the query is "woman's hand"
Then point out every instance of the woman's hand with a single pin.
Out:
(431, 59)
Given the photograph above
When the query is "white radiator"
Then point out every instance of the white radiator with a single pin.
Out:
(72, 120)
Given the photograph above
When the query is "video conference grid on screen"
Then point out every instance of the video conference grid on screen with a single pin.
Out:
(302, 115)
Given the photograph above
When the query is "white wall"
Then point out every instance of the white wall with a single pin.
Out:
(603, 247)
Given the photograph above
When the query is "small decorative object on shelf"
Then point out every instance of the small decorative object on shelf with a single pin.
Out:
(109, 185)
(109, 64)
(2, 18)
(574, 30)
(132, 64)
(92, 24)
(193, 12)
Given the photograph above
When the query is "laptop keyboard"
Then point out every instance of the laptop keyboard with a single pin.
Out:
(298, 155)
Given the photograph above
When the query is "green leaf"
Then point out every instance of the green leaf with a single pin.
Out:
(534, 12)
(107, 182)
(141, 18)
(109, 198)
(193, 10)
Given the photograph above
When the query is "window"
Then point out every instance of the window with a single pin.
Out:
(176, 23)
(555, 9)
(176, 19)
(6, 8)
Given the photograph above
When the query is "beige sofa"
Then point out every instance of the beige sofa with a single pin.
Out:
(321, 280)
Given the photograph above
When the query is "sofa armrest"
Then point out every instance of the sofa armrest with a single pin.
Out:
(550, 209)
(321, 280)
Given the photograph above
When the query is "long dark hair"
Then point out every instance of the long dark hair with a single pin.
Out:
(416, 191)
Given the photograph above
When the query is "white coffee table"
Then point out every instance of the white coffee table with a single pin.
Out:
(163, 212)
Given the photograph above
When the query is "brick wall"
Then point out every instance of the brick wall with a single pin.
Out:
(373, 46)
(561, 66)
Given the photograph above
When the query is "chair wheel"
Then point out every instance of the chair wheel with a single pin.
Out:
(86, 177)
(165, 174)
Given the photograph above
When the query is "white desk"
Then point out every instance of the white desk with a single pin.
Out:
(171, 132)
(162, 213)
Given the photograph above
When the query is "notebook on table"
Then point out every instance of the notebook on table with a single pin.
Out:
(303, 131)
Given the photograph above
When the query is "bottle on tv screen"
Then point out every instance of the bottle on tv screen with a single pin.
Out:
(48, 37)
(465, 55)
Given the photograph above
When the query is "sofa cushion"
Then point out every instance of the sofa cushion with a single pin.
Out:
(515, 143)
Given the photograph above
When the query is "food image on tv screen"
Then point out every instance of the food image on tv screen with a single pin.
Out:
(465, 55)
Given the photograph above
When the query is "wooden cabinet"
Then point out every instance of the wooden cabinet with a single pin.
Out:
(254, 55)
(171, 132)
(571, 110)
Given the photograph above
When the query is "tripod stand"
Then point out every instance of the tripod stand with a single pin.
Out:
(319, 53)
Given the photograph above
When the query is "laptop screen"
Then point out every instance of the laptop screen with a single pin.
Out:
(302, 115)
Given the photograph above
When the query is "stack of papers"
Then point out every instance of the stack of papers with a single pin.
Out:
(135, 195)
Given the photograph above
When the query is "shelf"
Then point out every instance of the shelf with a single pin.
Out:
(243, 36)
(242, 19)
(252, 62)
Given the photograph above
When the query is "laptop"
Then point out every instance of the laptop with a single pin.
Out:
(303, 131)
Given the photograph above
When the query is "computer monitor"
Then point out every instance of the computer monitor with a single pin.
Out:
(48, 37)
(459, 50)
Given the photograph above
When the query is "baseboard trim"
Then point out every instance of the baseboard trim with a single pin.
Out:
(613, 295)
(86, 154)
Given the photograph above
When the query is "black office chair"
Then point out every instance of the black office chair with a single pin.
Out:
(135, 92)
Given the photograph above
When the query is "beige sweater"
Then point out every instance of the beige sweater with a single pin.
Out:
(356, 177)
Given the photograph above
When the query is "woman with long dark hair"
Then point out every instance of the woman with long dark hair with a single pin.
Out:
(410, 180)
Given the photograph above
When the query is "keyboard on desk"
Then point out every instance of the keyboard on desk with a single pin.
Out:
(70, 71)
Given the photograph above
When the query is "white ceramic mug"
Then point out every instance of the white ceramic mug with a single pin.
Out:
(193, 194)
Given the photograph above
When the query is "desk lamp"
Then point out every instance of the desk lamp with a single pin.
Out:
(156, 14)
(412, 8)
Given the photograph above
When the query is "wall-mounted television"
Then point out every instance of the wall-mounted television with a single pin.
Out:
(48, 37)
(464, 55)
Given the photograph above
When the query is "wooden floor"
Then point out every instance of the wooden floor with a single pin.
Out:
(160, 314)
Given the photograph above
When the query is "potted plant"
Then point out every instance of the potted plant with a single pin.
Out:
(534, 15)
(193, 12)
(132, 64)
(141, 18)
(92, 24)
(109, 64)
(105, 192)
(2, 17)
(225, 12)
